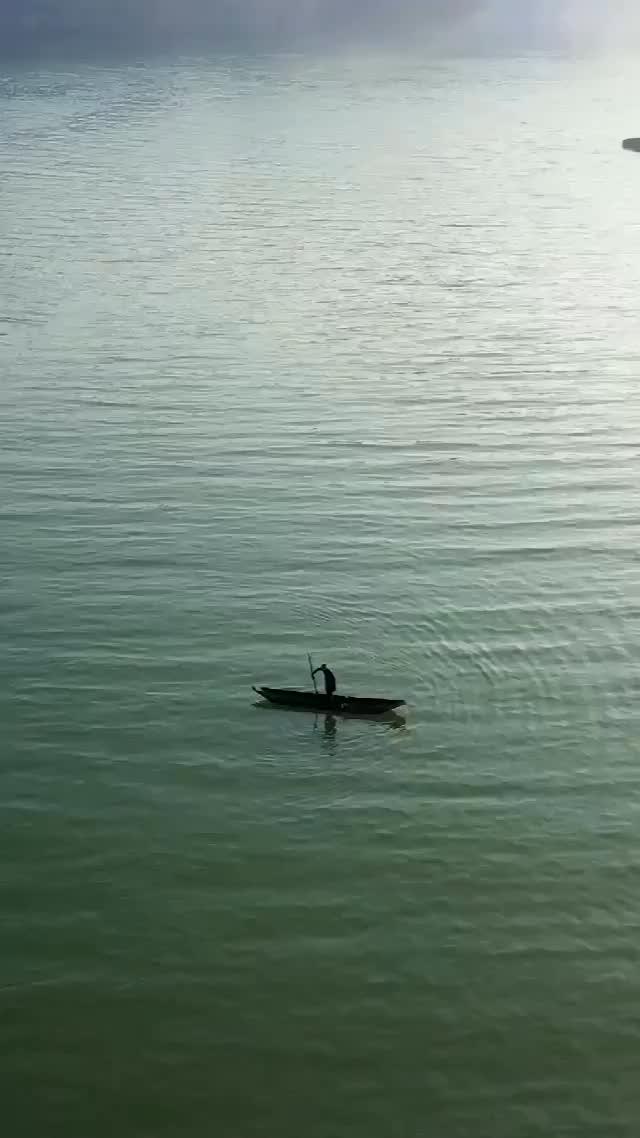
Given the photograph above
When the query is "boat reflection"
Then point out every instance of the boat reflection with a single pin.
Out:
(390, 719)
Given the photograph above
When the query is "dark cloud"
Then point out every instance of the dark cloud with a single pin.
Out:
(37, 25)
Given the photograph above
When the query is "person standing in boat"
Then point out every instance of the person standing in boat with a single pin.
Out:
(329, 680)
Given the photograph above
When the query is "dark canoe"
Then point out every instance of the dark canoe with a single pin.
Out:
(318, 701)
(631, 144)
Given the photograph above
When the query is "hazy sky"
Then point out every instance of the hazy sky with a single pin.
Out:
(37, 25)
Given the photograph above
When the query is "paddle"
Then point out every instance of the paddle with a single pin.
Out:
(313, 678)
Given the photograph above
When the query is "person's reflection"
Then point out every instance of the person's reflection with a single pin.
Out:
(330, 728)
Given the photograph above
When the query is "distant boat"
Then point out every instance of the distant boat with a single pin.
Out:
(318, 701)
(631, 144)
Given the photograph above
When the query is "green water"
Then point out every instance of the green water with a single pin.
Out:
(331, 356)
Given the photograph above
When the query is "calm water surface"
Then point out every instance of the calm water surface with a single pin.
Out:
(332, 356)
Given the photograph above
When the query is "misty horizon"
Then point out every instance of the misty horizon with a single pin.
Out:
(42, 27)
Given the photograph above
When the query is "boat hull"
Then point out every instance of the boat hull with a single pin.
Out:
(318, 701)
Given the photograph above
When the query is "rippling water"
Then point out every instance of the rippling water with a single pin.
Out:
(337, 357)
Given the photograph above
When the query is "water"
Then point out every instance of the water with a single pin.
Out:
(332, 356)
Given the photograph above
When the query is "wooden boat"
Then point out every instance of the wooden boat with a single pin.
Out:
(318, 701)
